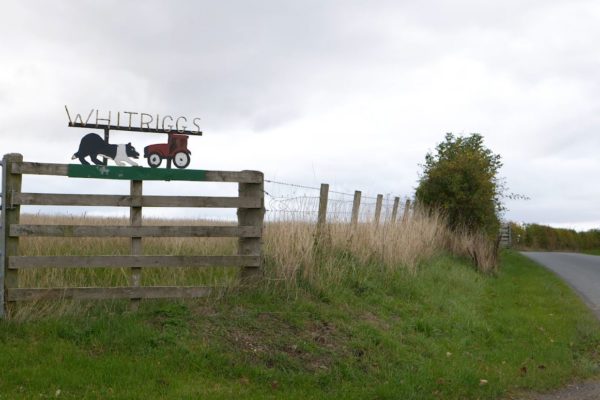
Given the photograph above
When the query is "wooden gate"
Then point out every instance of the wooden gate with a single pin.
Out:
(250, 213)
(505, 235)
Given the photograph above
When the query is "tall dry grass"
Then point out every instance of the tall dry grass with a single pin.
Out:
(81, 277)
(297, 250)
(482, 250)
(294, 251)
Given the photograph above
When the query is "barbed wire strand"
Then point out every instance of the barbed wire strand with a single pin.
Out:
(281, 203)
(316, 188)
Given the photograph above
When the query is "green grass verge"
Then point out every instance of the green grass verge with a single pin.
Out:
(433, 335)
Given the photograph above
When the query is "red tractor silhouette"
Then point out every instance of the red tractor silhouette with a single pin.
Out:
(175, 150)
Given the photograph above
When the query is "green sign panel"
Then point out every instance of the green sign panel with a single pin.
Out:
(135, 173)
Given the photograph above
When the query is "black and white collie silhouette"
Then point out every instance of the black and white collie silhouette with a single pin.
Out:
(93, 145)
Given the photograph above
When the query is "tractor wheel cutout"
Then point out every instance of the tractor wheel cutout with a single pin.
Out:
(154, 160)
(181, 159)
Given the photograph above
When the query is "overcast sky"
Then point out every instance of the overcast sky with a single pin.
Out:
(352, 93)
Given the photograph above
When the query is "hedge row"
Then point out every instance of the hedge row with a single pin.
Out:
(541, 237)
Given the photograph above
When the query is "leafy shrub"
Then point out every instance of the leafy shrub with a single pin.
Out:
(461, 180)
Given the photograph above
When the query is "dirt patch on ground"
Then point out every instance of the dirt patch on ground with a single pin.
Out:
(314, 346)
(375, 320)
(576, 391)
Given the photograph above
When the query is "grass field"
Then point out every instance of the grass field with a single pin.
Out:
(438, 331)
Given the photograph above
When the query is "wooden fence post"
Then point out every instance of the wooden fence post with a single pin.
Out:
(395, 209)
(323, 198)
(378, 205)
(11, 184)
(135, 220)
(406, 211)
(251, 246)
(355, 207)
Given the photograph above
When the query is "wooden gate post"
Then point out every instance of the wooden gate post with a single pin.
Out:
(11, 184)
(355, 207)
(135, 220)
(251, 246)
(2, 239)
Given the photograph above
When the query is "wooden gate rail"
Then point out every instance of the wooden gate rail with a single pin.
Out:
(129, 231)
(31, 262)
(87, 171)
(90, 293)
(100, 200)
(250, 211)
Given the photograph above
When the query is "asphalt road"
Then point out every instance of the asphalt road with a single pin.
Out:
(581, 271)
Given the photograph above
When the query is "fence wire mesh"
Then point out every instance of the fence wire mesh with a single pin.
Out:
(290, 201)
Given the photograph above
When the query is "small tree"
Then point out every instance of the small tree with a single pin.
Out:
(461, 180)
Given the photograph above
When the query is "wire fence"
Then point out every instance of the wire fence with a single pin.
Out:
(292, 201)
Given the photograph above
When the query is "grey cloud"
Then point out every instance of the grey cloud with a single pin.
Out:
(351, 92)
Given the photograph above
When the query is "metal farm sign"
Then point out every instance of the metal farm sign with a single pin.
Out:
(174, 151)
(134, 121)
